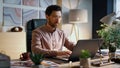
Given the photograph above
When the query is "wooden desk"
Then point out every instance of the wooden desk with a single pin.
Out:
(76, 65)
(51, 64)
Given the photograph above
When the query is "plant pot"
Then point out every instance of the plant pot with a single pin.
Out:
(85, 62)
(111, 55)
(38, 66)
(112, 47)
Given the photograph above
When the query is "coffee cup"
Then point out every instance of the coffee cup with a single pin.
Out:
(24, 56)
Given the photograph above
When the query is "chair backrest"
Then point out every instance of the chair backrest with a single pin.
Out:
(31, 25)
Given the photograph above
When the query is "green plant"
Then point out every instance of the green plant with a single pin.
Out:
(112, 48)
(110, 34)
(85, 54)
(36, 58)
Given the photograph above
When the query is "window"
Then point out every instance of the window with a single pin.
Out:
(117, 7)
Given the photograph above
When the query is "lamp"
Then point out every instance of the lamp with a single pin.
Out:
(77, 16)
(108, 19)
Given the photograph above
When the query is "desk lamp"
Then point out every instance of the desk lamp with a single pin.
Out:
(108, 19)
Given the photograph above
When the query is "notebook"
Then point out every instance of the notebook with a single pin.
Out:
(90, 44)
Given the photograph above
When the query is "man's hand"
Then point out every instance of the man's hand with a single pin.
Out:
(58, 53)
(64, 53)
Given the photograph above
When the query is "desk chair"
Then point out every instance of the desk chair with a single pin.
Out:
(31, 25)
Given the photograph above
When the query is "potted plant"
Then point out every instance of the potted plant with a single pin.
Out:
(110, 35)
(37, 59)
(85, 59)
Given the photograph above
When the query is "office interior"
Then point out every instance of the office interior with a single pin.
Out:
(16, 13)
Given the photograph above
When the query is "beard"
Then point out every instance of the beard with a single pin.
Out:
(52, 24)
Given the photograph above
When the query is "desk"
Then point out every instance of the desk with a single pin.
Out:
(67, 65)
(76, 65)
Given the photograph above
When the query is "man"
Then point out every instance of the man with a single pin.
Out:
(48, 39)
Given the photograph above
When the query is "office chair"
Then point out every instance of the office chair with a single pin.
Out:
(30, 26)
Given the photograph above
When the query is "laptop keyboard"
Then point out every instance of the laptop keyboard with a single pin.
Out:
(65, 58)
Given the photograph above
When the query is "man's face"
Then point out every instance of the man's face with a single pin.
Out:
(54, 19)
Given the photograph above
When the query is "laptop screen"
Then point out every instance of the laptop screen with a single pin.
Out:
(91, 45)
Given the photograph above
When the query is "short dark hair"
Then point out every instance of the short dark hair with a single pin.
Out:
(52, 8)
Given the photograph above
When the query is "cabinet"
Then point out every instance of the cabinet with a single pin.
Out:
(13, 43)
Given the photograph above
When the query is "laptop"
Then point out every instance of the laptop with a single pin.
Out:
(88, 44)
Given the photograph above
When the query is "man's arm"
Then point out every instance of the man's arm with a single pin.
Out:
(49, 53)
(69, 44)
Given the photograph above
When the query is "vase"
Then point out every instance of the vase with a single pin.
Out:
(85, 62)
(112, 50)
(112, 47)
(111, 55)
(38, 66)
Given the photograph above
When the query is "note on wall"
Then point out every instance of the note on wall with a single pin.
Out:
(45, 3)
(18, 2)
(34, 3)
(12, 16)
(29, 14)
(42, 14)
